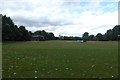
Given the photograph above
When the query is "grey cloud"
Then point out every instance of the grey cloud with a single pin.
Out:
(41, 22)
(21, 9)
(102, 26)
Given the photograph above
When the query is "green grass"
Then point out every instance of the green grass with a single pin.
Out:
(60, 59)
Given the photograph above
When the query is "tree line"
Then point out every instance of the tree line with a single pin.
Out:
(110, 35)
(11, 32)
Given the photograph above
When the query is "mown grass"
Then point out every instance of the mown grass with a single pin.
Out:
(60, 59)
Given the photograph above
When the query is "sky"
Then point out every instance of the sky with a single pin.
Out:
(63, 17)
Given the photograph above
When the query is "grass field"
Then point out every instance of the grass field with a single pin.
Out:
(60, 59)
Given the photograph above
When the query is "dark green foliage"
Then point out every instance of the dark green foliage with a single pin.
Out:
(10, 31)
(115, 32)
(69, 38)
(8, 28)
(51, 36)
(110, 35)
(85, 36)
(48, 36)
(6, 31)
(92, 38)
(99, 36)
(25, 36)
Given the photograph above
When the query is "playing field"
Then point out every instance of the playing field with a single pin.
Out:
(60, 59)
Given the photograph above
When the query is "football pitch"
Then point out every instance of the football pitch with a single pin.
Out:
(60, 59)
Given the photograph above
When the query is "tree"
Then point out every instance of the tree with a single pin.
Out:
(108, 35)
(99, 37)
(6, 32)
(51, 36)
(85, 36)
(18, 33)
(91, 37)
(48, 36)
(8, 29)
(115, 32)
(25, 36)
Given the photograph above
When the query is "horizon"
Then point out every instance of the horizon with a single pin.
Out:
(67, 18)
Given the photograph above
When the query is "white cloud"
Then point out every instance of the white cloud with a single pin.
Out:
(88, 22)
(109, 18)
(62, 17)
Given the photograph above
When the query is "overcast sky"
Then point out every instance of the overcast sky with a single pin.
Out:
(63, 17)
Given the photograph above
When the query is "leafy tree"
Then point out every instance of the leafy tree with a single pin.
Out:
(48, 36)
(99, 37)
(91, 37)
(51, 36)
(6, 32)
(8, 28)
(10, 31)
(115, 32)
(108, 35)
(85, 36)
(25, 35)
(18, 34)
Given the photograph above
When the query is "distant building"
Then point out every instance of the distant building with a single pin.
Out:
(38, 38)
